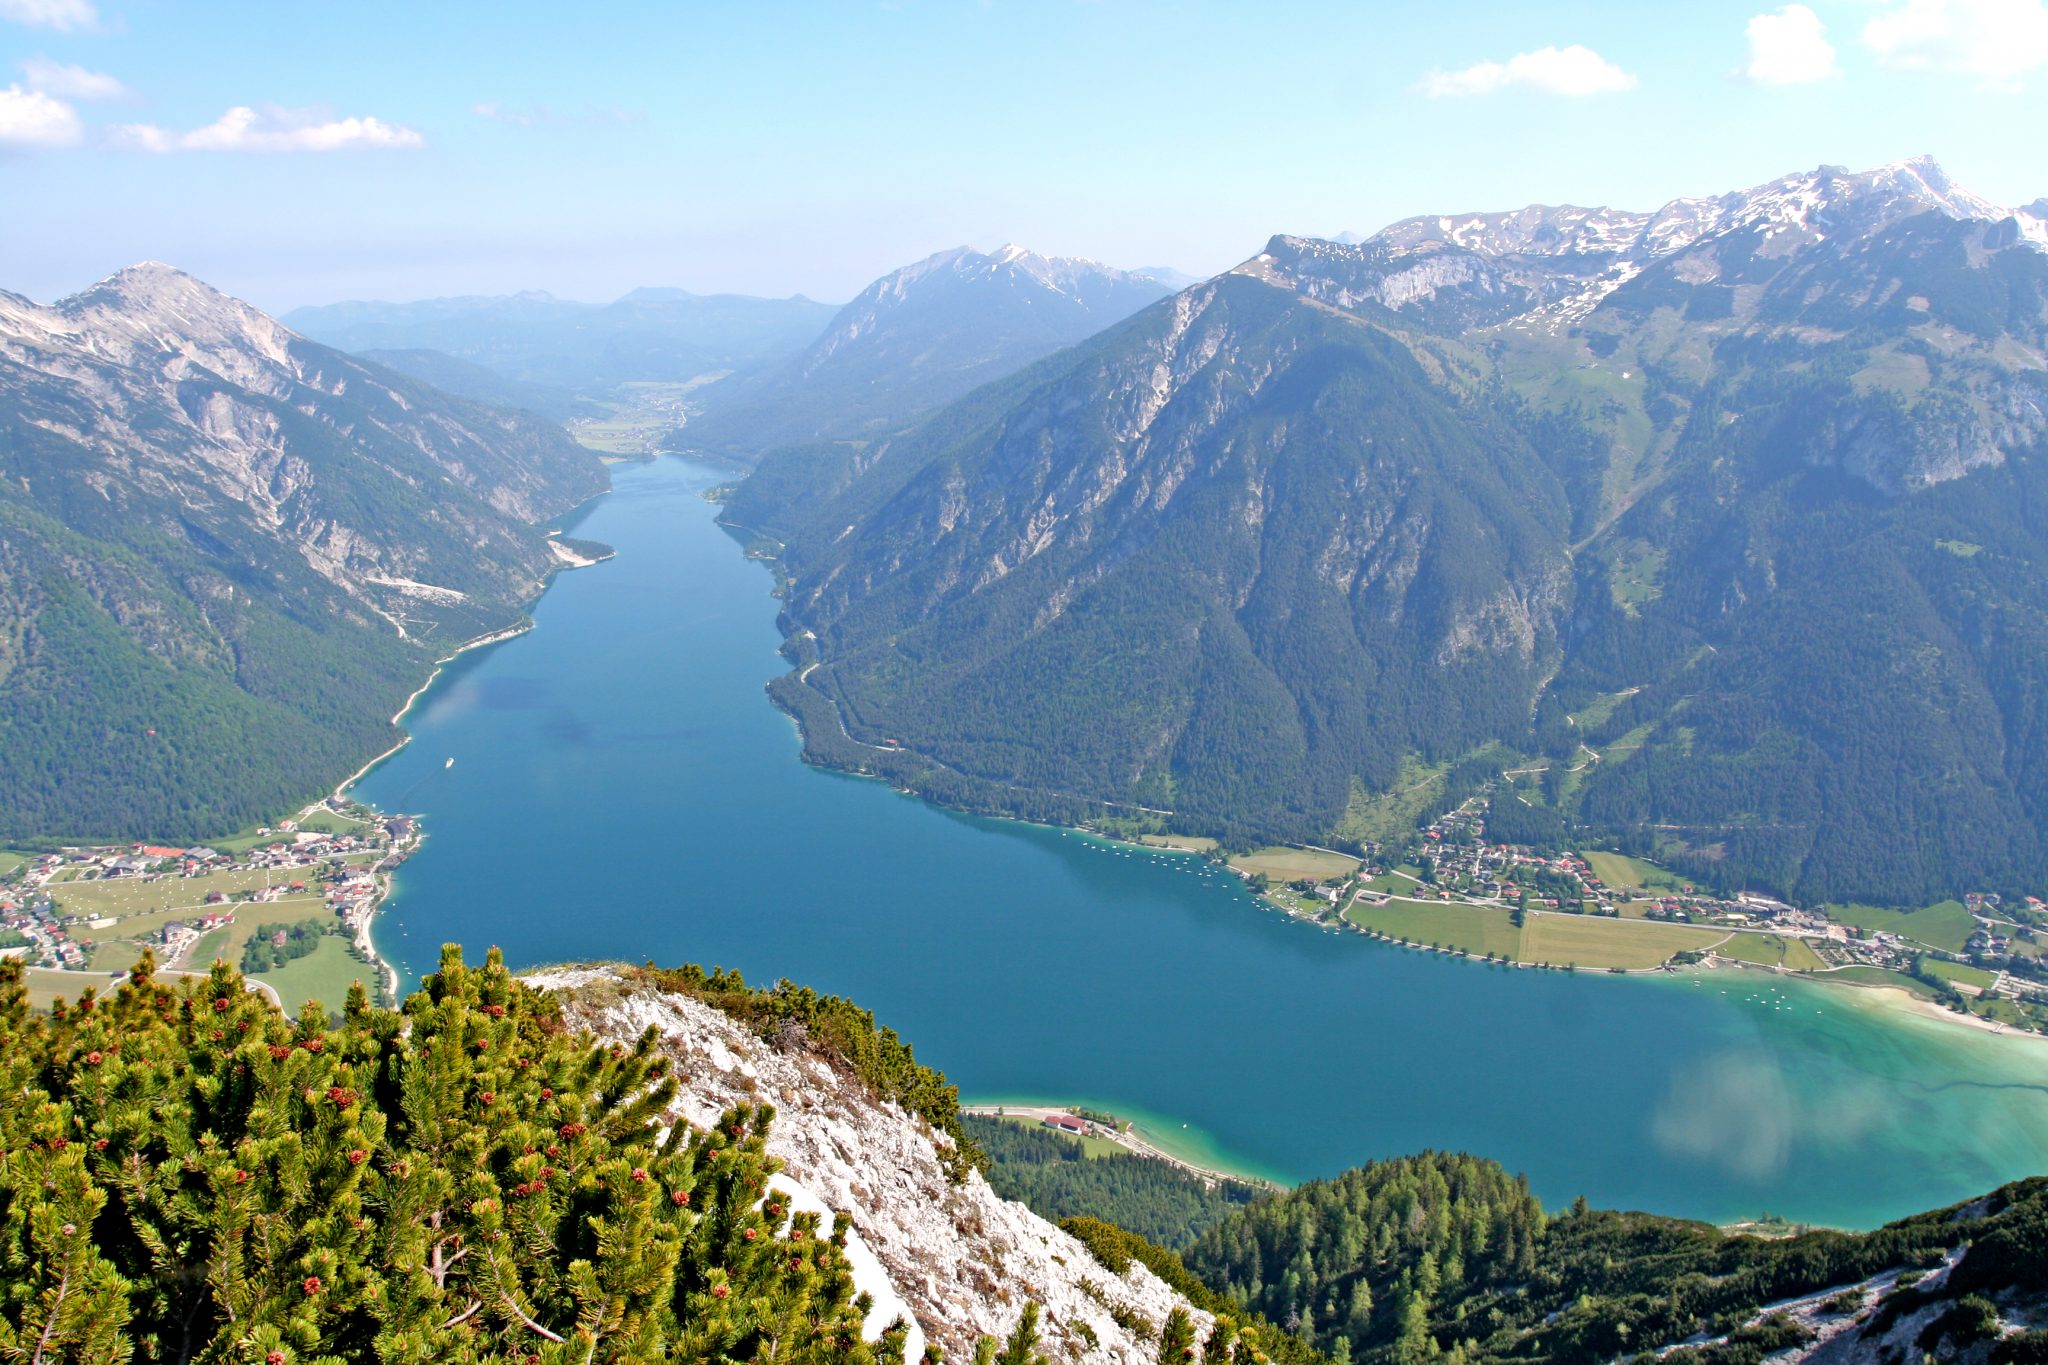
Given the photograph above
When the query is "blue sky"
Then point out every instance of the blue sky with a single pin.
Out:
(408, 150)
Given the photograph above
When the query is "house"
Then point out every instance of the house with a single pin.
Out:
(1067, 1123)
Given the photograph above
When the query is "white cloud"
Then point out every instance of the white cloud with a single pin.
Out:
(29, 118)
(71, 82)
(1573, 71)
(243, 129)
(62, 15)
(1788, 48)
(1998, 41)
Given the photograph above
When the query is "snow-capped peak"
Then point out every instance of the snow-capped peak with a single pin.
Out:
(1806, 206)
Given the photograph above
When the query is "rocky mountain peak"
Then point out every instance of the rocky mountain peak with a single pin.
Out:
(955, 1260)
(152, 312)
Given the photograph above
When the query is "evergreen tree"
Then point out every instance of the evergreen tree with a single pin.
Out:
(185, 1173)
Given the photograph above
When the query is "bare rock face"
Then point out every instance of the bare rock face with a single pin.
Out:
(956, 1259)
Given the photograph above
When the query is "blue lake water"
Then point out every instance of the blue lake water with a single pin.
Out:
(623, 790)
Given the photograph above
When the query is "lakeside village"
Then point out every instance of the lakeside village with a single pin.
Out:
(1451, 890)
(290, 906)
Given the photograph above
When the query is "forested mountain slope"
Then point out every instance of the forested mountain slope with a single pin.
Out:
(914, 339)
(1447, 1256)
(227, 555)
(1750, 484)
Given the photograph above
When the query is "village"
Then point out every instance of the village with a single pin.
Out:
(293, 902)
(1452, 890)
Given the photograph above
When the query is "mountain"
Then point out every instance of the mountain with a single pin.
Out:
(665, 335)
(228, 555)
(1720, 514)
(915, 339)
(465, 380)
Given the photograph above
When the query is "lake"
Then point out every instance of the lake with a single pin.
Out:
(622, 790)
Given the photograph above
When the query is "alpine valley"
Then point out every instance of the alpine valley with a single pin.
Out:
(1724, 520)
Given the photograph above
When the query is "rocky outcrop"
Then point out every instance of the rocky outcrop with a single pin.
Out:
(957, 1260)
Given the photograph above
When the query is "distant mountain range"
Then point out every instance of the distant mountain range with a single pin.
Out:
(915, 339)
(1724, 517)
(228, 555)
(536, 339)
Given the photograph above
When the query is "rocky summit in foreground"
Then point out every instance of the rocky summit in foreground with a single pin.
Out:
(953, 1257)
(625, 1164)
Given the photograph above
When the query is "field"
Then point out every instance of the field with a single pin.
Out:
(324, 974)
(1293, 864)
(643, 413)
(46, 986)
(1946, 925)
(1473, 929)
(1593, 941)
(125, 896)
(1091, 1147)
(1620, 870)
(1878, 976)
(1959, 973)
(118, 947)
(1771, 950)
(1187, 843)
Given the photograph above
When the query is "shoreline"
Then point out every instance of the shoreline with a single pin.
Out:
(1924, 1008)
(1134, 1141)
(386, 872)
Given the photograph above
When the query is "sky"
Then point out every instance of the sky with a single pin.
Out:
(300, 153)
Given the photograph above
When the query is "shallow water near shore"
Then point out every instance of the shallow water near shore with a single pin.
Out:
(622, 789)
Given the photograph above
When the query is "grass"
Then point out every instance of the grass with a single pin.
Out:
(1772, 950)
(1959, 973)
(1391, 815)
(1596, 941)
(1293, 864)
(122, 897)
(249, 919)
(45, 985)
(1633, 577)
(1474, 929)
(119, 947)
(1878, 976)
(1946, 925)
(1187, 843)
(1620, 870)
(324, 974)
(1091, 1147)
(325, 821)
(1601, 708)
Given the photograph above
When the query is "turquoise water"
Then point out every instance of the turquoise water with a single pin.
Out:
(622, 789)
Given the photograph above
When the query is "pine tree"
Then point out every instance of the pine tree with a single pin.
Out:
(1177, 1339)
(186, 1173)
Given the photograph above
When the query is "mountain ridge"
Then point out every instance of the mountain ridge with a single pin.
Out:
(915, 339)
(227, 554)
(1711, 428)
